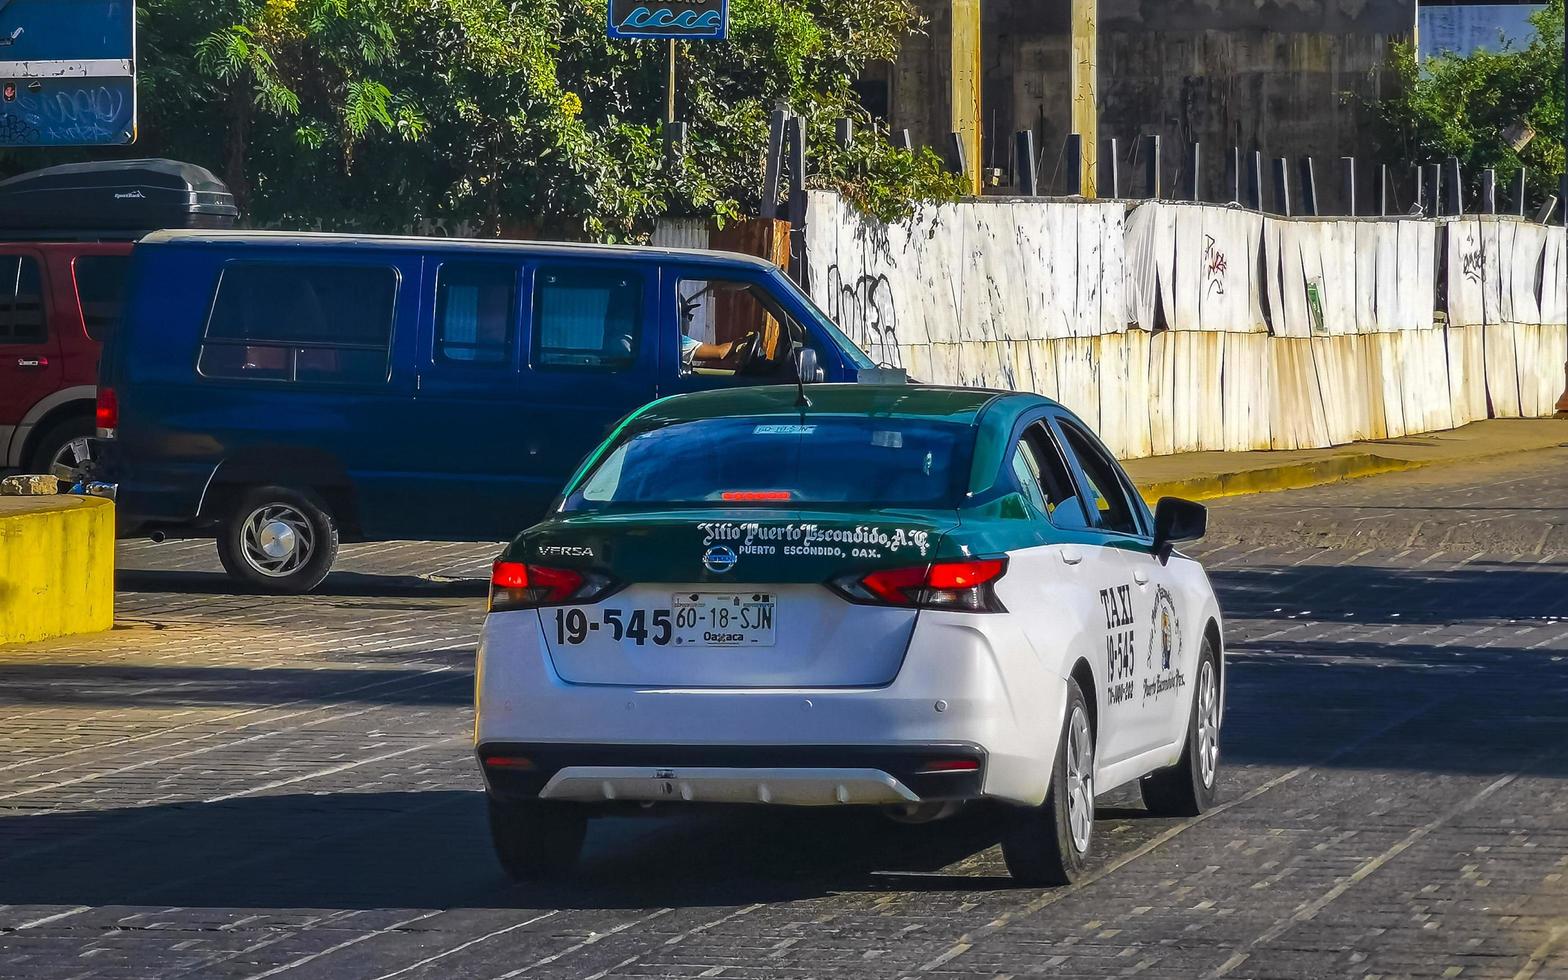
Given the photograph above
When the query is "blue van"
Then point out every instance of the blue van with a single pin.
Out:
(283, 392)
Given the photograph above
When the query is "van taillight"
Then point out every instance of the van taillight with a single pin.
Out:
(108, 412)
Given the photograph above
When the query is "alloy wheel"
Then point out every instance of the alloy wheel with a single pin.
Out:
(277, 540)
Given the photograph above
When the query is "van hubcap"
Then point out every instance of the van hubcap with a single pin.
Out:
(1080, 779)
(276, 539)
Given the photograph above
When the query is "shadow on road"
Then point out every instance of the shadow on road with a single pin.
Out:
(432, 850)
(340, 584)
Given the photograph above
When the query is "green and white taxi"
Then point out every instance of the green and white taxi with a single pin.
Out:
(895, 596)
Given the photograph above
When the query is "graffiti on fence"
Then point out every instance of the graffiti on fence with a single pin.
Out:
(865, 309)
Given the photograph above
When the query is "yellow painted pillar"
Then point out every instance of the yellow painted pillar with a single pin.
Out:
(1085, 87)
(965, 48)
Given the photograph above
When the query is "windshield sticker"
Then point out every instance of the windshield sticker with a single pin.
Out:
(816, 541)
(888, 440)
(783, 430)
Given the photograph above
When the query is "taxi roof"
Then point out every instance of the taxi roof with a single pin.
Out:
(963, 406)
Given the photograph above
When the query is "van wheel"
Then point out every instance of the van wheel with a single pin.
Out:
(537, 839)
(1049, 844)
(278, 540)
(61, 449)
(1187, 788)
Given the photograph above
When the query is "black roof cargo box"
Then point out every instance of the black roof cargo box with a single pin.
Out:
(115, 199)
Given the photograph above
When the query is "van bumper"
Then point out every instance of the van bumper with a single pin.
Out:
(166, 495)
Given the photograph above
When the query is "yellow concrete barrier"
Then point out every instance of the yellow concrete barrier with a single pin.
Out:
(56, 567)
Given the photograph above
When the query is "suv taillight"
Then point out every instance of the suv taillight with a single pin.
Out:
(962, 586)
(107, 412)
(515, 585)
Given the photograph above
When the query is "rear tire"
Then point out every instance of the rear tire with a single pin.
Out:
(1188, 788)
(535, 839)
(63, 444)
(278, 540)
(1049, 844)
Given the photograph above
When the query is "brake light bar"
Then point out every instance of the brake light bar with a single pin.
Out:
(963, 586)
(754, 496)
(518, 585)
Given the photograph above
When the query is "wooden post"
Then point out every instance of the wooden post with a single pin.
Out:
(1489, 191)
(902, 140)
(1114, 169)
(797, 200)
(1234, 177)
(669, 87)
(674, 141)
(1453, 200)
(1072, 163)
(1024, 166)
(1309, 188)
(1547, 210)
(771, 166)
(1085, 88)
(1151, 167)
(1194, 188)
(844, 132)
(1521, 191)
(1255, 180)
(1382, 190)
(956, 158)
(1420, 200)
(1434, 189)
(1347, 185)
(1282, 186)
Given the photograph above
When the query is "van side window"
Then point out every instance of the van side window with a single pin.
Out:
(730, 329)
(476, 310)
(21, 301)
(586, 318)
(100, 289)
(317, 323)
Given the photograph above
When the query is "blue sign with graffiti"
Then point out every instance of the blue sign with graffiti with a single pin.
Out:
(67, 72)
(686, 20)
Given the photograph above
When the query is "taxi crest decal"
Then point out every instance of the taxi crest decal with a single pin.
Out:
(1164, 656)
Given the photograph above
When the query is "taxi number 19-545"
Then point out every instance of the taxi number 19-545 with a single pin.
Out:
(693, 619)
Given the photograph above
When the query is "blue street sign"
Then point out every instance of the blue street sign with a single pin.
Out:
(685, 20)
(67, 72)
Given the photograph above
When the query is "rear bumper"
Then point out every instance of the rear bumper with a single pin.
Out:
(967, 684)
(788, 775)
(163, 495)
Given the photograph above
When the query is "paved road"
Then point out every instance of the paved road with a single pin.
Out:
(237, 786)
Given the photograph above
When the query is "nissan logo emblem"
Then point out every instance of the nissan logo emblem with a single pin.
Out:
(719, 559)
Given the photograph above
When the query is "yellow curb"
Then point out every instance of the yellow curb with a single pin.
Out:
(1287, 476)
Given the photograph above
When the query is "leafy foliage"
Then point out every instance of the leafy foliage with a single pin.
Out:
(507, 116)
(1461, 106)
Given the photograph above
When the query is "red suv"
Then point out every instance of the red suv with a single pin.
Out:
(62, 279)
(57, 300)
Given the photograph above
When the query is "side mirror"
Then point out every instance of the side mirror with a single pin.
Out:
(806, 367)
(1175, 520)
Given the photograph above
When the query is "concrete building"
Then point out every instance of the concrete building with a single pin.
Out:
(1280, 76)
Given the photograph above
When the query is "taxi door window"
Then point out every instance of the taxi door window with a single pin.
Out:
(1106, 489)
(1043, 477)
(586, 319)
(733, 329)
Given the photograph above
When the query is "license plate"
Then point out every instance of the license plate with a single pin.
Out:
(723, 619)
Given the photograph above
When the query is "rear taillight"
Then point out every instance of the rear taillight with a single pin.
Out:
(107, 413)
(963, 586)
(515, 585)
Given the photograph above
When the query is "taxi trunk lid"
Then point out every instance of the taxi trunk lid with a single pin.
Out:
(731, 598)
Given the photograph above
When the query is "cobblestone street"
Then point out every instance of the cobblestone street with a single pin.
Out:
(246, 786)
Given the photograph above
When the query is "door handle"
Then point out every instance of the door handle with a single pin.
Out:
(1072, 556)
(32, 363)
(1140, 576)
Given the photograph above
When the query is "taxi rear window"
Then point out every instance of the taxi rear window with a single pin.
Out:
(772, 462)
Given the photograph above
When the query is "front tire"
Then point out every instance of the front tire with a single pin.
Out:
(1188, 788)
(1049, 844)
(278, 540)
(535, 839)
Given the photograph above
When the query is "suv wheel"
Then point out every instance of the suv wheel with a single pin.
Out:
(278, 540)
(61, 449)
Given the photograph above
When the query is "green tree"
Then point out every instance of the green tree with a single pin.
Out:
(507, 116)
(1461, 106)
